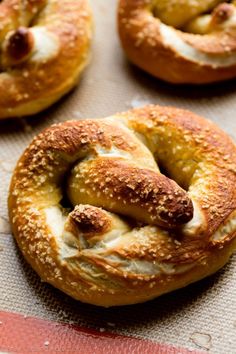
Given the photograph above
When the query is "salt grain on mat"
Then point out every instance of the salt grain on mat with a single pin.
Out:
(138, 101)
(202, 340)
(4, 226)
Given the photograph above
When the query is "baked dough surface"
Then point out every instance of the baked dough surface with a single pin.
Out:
(187, 41)
(95, 217)
(44, 48)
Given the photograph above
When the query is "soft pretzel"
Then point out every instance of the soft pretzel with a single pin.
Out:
(189, 42)
(134, 233)
(44, 48)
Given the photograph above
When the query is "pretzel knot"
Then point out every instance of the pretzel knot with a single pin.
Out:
(189, 42)
(96, 218)
(44, 48)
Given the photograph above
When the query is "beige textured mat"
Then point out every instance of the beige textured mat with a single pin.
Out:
(200, 316)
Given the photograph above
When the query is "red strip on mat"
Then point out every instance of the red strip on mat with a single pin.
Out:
(33, 335)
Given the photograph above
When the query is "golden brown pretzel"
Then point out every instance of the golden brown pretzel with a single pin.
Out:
(162, 238)
(192, 42)
(44, 48)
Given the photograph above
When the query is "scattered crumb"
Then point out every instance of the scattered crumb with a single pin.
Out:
(4, 226)
(77, 114)
(111, 324)
(55, 121)
(0, 322)
(102, 329)
(138, 101)
(46, 343)
(202, 340)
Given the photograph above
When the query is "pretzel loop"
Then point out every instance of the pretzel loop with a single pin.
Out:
(133, 232)
(194, 42)
(44, 48)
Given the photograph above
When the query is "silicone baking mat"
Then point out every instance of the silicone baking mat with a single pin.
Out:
(37, 318)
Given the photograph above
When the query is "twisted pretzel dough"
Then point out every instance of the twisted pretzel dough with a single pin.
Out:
(187, 41)
(44, 48)
(162, 237)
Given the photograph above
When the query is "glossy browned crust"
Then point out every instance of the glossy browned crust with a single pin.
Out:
(28, 87)
(112, 261)
(206, 143)
(161, 200)
(89, 220)
(222, 13)
(19, 45)
(141, 39)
